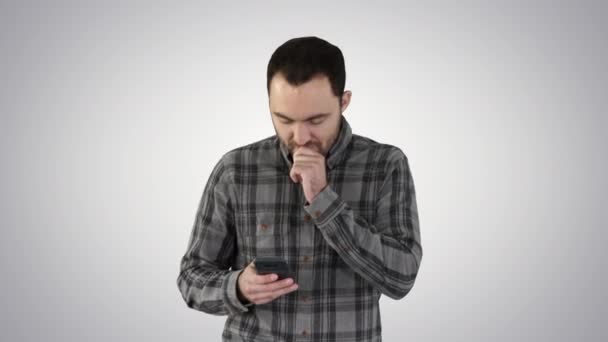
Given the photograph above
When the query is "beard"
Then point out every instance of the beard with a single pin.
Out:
(315, 145)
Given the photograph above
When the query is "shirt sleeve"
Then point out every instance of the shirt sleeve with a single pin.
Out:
(386, 253)
(206, 281)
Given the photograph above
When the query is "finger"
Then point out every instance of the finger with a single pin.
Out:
(264, 279)
(294, 174)
(265, 297)
(283, 291)
(268, 289)
(263, 301)
(304, 178)
(307, 151)
(308, 162)
(307, 156)
(301, 168)
(277, 285)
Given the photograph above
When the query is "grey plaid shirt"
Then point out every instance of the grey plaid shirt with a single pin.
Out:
(358, 239)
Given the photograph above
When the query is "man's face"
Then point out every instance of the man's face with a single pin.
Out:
(306, 115)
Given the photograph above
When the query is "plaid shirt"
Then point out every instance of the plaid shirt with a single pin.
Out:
(358, 239)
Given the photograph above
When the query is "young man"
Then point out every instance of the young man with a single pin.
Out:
(338, 207)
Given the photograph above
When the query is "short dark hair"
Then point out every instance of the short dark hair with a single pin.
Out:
(300, 59)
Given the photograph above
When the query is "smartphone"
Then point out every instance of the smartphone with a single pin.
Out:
(272, 264)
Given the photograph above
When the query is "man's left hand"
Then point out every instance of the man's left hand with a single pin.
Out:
(308, 169)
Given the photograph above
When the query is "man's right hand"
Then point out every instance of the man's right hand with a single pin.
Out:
(261, 289)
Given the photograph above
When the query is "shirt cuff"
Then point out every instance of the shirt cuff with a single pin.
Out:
(234, 304)
(325, 206)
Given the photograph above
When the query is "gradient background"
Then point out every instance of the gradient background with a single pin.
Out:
(113, 115)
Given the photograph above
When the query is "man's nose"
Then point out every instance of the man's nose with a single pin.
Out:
(301, 134)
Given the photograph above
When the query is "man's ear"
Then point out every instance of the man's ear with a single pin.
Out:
(345, 101)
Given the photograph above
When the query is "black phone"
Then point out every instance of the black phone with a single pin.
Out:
(272, 264)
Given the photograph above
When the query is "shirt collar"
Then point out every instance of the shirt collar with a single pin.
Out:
(336, 152)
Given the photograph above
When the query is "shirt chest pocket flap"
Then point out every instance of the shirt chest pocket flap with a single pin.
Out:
(269, 236)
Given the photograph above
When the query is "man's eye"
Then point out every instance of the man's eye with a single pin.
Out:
(286, 122)
(316, 121)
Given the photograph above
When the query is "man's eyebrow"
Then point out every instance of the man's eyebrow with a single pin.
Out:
(316, 116)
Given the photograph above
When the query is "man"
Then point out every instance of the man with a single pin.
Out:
(338, 207)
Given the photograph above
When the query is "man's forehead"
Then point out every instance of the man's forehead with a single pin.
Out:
(302, 108)
(319, 85)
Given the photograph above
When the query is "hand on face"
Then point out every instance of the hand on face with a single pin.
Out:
(308, 169)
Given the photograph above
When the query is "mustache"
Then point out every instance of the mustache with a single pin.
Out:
(315, 145)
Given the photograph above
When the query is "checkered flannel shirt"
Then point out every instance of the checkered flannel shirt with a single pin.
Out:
(358, 239)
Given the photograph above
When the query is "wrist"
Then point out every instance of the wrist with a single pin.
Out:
(240, 295)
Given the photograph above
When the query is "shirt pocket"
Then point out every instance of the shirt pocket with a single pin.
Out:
(269, 238)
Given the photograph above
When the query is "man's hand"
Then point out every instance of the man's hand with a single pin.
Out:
(309, 169)
(261, 289)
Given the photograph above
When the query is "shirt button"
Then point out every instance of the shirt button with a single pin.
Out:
(317, 214)
(264, 226)
(306, 258)
(305, 299)
(305, 332)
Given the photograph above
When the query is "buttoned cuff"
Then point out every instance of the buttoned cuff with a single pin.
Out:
(234, 304)
(325, 206)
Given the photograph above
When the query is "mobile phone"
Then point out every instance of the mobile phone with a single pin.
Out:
(272, 264)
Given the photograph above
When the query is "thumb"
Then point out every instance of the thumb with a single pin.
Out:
(295, 176)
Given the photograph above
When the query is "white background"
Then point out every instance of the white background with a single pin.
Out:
(113, 115)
